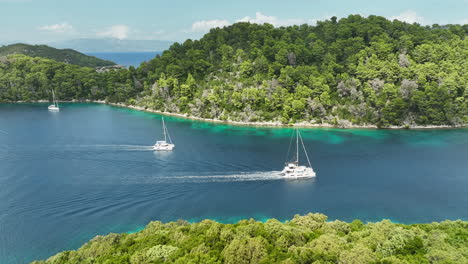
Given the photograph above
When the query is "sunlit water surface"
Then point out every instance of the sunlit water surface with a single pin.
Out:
(89, 169)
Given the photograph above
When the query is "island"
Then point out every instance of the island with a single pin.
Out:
(355, 71)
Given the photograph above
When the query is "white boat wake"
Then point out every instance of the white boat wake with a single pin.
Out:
(235, 177)
(131, 147)
(181, 179)
(114, 147)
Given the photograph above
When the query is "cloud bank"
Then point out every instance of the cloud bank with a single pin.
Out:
(409, 16)
(205, 25)
(260, 18)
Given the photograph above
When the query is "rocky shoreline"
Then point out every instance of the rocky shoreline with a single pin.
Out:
(258, 124)
(275, 124)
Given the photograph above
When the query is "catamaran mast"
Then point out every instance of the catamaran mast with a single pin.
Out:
(305, 151)
(164, 128)
(53, 97)
(55, 100)
(297, 146)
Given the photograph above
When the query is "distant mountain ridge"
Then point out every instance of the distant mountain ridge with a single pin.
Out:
(61, 55)
(113, 45)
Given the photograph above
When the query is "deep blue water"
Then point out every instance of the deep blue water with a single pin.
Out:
(87, 170)
(125, 58)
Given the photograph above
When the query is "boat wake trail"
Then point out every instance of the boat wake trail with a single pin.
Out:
(118, 147)
(131, 147)
(237, 177)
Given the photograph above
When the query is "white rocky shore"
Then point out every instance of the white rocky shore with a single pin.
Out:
(345, 124)
(275, 124)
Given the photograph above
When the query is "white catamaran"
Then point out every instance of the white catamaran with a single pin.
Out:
(293, 170)
(163, 145)
(54, 107)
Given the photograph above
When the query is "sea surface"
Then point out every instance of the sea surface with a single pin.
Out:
(89, 170)
(126, 58)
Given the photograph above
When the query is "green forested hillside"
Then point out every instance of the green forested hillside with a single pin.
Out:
(24, 78)
(364, 70)
(354, 70)
(62, 55)
(304, 239)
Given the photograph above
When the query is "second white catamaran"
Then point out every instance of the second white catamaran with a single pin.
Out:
(163, 145)
(293, 170)
(54, 107)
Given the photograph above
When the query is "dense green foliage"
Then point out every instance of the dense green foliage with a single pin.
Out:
(352, 71)
(364, 70)
(63, 55)
(31, 79)
(304, 239)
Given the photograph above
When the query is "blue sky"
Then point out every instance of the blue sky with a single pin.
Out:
(41, 21)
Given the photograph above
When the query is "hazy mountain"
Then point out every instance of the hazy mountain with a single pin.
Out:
(62, 55)
(113, 45)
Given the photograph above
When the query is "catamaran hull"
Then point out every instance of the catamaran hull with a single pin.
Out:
(298, 176)
(53, 108)
(164, 148)
(292, 171)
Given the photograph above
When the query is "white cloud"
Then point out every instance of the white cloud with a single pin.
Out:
(409, 16)
(58, 28)
(116, 31)
(260, 18)
(205, 25)
(275, 21)
(464, 21)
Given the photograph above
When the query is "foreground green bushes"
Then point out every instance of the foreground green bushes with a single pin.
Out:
(304, 239)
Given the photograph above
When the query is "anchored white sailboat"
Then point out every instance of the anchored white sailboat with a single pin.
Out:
(163, 145)
(293, 170)
(54, 107)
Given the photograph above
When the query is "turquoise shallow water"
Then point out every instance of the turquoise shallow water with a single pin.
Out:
(89, 169)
